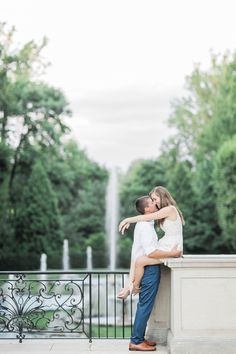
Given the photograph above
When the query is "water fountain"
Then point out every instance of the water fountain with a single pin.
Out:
(112, 216)
(43, 262)
(89, 258)
(65, 257)
(43, 265)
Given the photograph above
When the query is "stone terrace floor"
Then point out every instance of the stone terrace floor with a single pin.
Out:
(67, 346)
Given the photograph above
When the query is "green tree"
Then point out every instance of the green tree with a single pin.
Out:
(222, 125)
(42, 110)
(17, 66)
(80, 185)
(33, 113)
(192, 114)
(204, 121)
(29, 109)
(38, 224)
(6, 229)
(225, 182)
(5, 158)
(216, 131)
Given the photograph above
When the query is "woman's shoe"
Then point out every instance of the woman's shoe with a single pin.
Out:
(124, 293)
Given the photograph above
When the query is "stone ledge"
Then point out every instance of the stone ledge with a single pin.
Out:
(201, 261)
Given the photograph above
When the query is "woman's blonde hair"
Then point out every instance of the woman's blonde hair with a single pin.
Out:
(166, 199)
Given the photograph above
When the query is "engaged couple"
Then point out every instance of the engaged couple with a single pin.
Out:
(147, 254)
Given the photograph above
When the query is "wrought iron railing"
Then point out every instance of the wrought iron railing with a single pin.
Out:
(64, 305)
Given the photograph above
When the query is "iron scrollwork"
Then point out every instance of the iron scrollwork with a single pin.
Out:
(42, 305)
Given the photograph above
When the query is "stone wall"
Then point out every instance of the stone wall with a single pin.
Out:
(195, 310)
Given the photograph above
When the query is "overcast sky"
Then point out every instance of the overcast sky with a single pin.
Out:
(120, 63)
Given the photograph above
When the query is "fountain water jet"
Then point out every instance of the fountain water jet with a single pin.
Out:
(112, 216)
(43, 265)
(43, 262)
(65, 257)
(89, 258)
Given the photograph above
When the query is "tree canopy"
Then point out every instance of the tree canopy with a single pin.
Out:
(197, 164)
(49, 189)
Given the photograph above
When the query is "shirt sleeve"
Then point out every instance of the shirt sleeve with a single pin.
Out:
(148, 238)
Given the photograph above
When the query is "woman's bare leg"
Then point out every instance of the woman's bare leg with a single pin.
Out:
(140, 263)
(128, 287)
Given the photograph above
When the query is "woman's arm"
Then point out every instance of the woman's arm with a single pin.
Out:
(160, 214)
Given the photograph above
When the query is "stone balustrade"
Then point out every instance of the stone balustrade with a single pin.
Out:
(195, 310)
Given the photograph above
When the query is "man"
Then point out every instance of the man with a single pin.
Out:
(145, 243)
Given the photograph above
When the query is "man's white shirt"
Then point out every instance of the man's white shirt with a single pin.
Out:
(145, 239)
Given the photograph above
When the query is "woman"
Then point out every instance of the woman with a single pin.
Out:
(170, 220)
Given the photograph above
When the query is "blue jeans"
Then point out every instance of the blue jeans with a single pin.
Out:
(149, 287)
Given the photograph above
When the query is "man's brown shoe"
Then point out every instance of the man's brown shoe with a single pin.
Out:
(152, 344)
(142, 347)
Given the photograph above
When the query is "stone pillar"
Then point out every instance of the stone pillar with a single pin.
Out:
(203, 305)
(159, 322)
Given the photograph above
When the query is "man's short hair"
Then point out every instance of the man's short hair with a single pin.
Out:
(142, 203)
